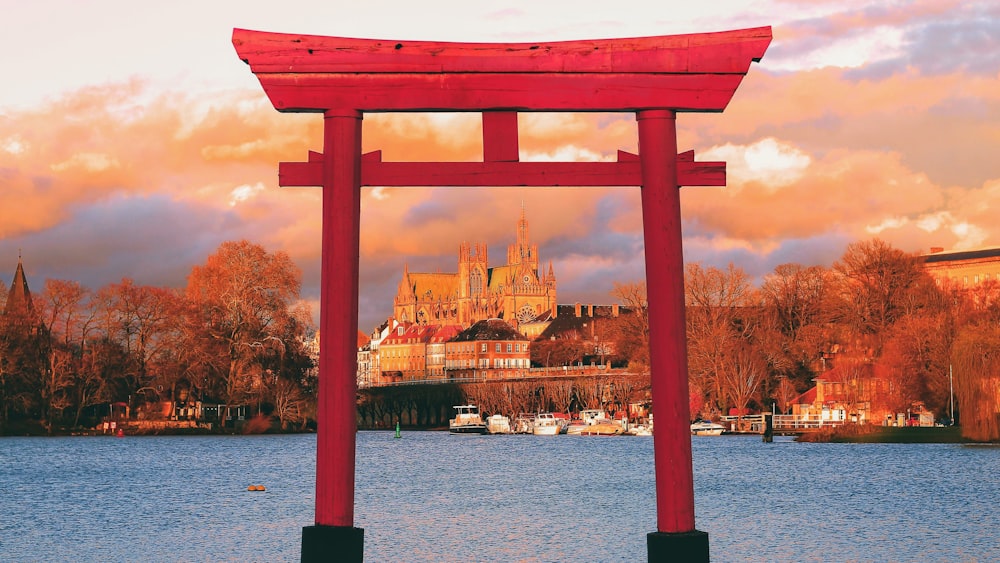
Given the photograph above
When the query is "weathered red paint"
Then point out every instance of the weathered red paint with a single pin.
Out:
(724, 52)
(625, 172)
(337, 406)
(499, 137)
(698, 72)
(655, 77)
(661, 221)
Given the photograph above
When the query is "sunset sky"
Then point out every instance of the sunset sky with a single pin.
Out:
(133, 141)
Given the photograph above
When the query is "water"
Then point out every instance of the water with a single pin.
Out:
(432, 497)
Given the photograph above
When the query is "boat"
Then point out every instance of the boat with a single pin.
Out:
(524, 423)
(603, 427)
(707, 428)
(588, 417)
(546, 424)
(641, 428)
(498, 424)
(467, 421)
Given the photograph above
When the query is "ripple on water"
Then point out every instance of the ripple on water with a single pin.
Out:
(432, 497)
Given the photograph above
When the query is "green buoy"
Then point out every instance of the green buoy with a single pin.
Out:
(397, 430)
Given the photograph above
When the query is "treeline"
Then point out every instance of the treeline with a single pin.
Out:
(234, 335)
(874, 318)
(430, 405)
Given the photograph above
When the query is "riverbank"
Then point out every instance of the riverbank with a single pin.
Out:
(254, 425)
(857, 434)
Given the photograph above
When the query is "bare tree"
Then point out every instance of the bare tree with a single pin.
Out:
(633, 326)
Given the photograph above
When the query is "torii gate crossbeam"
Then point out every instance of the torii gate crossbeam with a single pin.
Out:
(654, 77)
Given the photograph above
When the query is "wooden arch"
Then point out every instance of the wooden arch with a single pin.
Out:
(653, 77)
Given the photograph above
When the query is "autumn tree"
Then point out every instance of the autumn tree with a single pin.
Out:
(876, 286)
(241, 317)
(795, 310)
(976, 359)
(632, 328)
(24, 358)
(721, 317)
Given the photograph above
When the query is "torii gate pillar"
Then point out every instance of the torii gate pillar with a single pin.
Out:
(676, 538)
(654, 77)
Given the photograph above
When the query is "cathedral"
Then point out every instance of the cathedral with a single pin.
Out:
(515, 292)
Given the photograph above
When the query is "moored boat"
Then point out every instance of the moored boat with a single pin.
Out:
(524, 423)
(603, 427)
(498, 424)
(546, 424)
(467, 421)
(587, 417)
(707, 428)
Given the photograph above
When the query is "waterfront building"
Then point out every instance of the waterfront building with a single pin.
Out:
(404, 353)
(516, 291)
(489, 349)
(851, 393)
(437, 351)
(374, 370)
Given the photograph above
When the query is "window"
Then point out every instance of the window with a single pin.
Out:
(475, 282)
(509, 345)
(498, 346)
(484, 346)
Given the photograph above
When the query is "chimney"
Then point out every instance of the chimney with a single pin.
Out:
(590, 311)
(577, 310)
(614, 310)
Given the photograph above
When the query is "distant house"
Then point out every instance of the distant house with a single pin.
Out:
(842, 397)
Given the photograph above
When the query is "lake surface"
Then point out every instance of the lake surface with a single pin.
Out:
(433, 497)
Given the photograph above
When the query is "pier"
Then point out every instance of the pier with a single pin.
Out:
(782, 424)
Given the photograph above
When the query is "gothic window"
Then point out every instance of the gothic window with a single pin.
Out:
(475, 282)
(526, 314)
(422, 317)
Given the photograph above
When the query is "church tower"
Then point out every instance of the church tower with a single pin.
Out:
(473, 282)
(19, 297)
(516, 291)
(521, 253)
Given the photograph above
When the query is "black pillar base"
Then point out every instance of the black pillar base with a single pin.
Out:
(333, 544)
(682, 547)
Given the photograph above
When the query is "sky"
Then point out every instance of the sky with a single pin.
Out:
(133, 141)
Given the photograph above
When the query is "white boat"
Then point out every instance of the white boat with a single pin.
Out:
(640, 429)
(498, 424)
(706, 428)
(546, 424)
(467, 421)
(524, 423)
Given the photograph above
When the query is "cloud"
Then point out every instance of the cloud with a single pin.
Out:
(862, 120)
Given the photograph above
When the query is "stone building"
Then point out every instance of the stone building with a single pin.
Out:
(516, 292)
(964, 268)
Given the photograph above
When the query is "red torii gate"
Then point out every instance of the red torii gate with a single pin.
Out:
(655, 77)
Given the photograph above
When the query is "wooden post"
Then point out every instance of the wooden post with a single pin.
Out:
(676, 538)
(334, 534)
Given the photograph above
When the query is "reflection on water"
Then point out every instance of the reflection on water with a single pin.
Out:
(435, 497)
